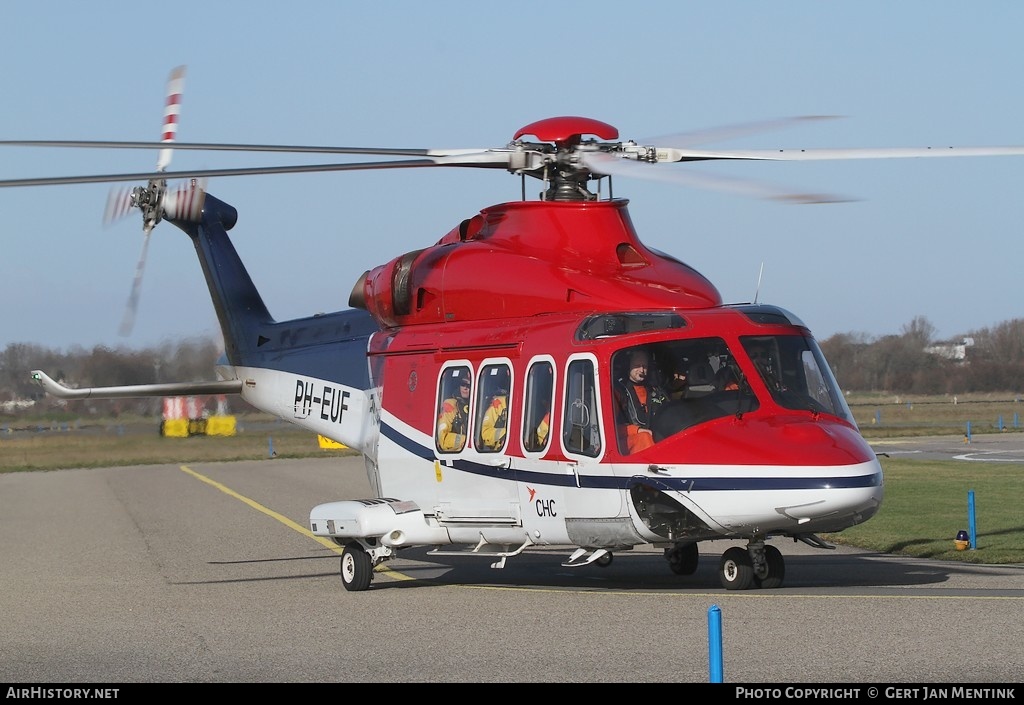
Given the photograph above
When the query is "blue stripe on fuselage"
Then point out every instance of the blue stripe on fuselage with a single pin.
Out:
(687, 484)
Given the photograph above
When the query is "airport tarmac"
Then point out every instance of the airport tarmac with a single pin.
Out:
(206, 573)
(975, 448)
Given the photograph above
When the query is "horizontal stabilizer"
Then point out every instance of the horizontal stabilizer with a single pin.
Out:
(136, 390)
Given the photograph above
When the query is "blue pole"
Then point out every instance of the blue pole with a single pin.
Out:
(968, 431)
(878, 416)
(270, 446)
(971, 523)
(1016, 420)
(1000, 422)
(715, 644)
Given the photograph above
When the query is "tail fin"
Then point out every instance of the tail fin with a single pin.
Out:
(252, 338)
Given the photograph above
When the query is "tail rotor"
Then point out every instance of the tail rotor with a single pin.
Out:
(156, 200)
(128, 321)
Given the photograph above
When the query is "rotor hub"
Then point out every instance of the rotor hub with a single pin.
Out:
(149, 200)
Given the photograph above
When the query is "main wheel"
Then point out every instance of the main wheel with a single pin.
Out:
(683, 558)
(776, 569)
(605, 560)
(735, 570)
(356, 567)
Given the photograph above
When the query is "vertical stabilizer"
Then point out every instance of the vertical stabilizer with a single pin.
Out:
(239, 306)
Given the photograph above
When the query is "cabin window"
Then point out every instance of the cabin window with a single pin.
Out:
(492, 408)
(540, 389)
(581, 427)
(454, 394)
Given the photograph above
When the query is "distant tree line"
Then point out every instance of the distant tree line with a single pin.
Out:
(901, 363)
(190, 360)
(898, 364)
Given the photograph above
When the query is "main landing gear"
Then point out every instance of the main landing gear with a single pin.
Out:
(356, 567)
(358, 562)
(757, 565)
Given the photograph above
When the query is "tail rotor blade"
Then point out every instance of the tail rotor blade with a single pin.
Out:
(155, 200)
(172, 109)
(185, 201)
(119, 202)
(128, 322)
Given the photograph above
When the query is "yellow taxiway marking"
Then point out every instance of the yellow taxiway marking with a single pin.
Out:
(325, 542)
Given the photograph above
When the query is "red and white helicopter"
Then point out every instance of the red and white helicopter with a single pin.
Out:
(494, 428)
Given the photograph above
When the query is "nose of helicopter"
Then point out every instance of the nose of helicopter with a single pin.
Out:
(780, 440)
(820, 474)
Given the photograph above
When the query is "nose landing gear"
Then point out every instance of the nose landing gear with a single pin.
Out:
(757, 565)
(683, 558)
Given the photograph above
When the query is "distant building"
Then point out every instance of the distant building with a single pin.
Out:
(15, 405)
(951, 351)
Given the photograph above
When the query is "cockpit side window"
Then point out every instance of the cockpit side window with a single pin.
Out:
(581, 425)
(688, 382)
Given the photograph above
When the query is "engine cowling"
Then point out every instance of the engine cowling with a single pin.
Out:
(529, 258)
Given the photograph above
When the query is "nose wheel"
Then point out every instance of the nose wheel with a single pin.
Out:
(757, 565)
(683, 558)
(774, 570)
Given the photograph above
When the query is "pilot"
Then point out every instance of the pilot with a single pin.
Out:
(676, 387)
(454, 416)
(639, 401)
(764, 361)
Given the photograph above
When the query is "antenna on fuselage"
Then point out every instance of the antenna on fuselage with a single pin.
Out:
(759, 275)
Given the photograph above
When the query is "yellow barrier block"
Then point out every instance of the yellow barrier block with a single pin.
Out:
(327, 444)
(174, 428)
(221, 426)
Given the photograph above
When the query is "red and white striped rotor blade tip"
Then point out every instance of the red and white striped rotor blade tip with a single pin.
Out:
(185, 201)
(172, 109)
(119, 202)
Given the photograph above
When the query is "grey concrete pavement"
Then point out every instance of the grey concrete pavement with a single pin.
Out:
(203, 574)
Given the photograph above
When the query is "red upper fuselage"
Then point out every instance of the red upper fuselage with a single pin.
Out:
(520, 279)
(527, 258)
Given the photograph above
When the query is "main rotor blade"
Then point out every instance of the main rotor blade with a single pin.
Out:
(615, 166)
(228, 147)
(481, 160)
(719, 134)
(671, 154)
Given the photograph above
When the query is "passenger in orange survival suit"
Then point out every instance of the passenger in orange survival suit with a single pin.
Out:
(454, 417)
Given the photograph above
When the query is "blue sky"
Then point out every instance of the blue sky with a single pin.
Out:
(938, 238)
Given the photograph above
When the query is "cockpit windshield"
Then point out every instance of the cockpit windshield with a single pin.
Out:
(796, 374)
